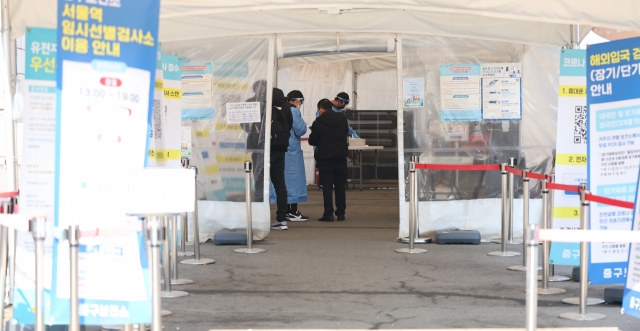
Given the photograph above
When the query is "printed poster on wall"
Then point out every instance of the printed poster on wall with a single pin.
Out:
(197, 100)
(38, 160)
(631, 299)
(460, 98)
(501, 91)
(571, 151)
(413, 92)
(105, 83)
(185, 141)
(613, 75)
(243, 112)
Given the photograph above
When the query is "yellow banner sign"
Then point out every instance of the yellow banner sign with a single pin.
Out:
(571, 159)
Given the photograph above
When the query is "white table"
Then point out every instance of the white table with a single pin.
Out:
(367, 148)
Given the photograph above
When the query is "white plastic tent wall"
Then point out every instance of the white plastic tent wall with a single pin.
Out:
(545, 23)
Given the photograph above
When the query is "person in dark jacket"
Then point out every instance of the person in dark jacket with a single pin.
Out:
(281, 118)
(329, 134)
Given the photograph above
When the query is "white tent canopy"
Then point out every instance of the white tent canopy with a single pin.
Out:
(543, 22)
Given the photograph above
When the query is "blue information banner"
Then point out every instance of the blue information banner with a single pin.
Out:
(613, 152)
(460, 93)
(631, 299)
(40, 54)
(106, 66)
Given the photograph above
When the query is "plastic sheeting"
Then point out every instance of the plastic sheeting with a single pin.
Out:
(376, 90)
(531, 140)
(240, 69)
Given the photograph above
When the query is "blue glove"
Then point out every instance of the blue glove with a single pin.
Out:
(355, 135)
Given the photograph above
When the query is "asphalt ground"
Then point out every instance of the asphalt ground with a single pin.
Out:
(346, 275)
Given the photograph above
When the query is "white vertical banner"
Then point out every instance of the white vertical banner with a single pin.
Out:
(168, 133)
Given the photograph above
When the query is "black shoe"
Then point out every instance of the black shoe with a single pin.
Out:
(340, 217)
(326, 218)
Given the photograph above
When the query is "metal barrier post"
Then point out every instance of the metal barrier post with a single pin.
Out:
(196, 230)
(37, 228)
(512, 192)
(183, 236)
(155, 235)
(417, 239)
(413, 219)
(505, 217)
(174, 254)
(73, 236)
(247, 189)
(166, 266)
(531, 238)
(4, 252)
(525, 222)
(583, 300)
(552, 276)
(546, 246)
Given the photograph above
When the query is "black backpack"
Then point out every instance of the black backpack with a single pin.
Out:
(280, 131)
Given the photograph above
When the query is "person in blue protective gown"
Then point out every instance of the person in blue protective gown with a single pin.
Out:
(295, 176)
(338, 104)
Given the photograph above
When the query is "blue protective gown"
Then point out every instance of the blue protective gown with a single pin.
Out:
(294, 174)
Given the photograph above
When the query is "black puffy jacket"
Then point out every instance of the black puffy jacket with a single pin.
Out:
(329, 135)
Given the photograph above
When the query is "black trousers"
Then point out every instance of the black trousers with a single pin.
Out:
(277, 178)
(334, 174)
(258, 176)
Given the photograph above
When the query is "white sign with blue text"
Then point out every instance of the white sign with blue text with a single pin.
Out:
(631, 299)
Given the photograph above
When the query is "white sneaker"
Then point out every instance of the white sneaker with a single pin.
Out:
(279, 225)
(297, 217)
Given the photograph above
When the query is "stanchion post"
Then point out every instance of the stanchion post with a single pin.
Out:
(552, 276)
(583, 300)
(166, 265)
(37, 228)
(249, 216)
(196, 230)
(412, 210)
(545, 289)
(73, 236)
(511, 194)
(155, 235)
(525, 221)
(417, 239)
(531, 251)
(174, 254)
(183, 236)
(4, 252)
(505, 216)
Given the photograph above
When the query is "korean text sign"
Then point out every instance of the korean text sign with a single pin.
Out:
(106, 66)
(613, 150)
(631, 299)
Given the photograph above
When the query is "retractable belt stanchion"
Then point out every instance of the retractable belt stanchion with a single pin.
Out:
(531, 251)
(512, 192)
(4, 251)
(166, 266)
(155, 236)
(37, 228)
(247, 186)
(525, 222)
(183, 236)
(174, 254)
(552, 276)
(505, 216)
(196, 230)
(73, 236)
(546, 245)
(583, 300)
(417, 239)
(412, 210)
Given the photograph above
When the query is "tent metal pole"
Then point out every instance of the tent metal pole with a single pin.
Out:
(10, 137)
(400, 128)
(575, 36)
(271, 70)
(354, 83)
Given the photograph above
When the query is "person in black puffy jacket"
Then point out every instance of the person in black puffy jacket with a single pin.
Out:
(280, 112)
(329, 135)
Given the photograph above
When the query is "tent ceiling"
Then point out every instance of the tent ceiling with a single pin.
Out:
(543, 22)
(336, 57)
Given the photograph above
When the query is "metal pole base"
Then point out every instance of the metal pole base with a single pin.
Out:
(198, 262)
(415, 241)
(174, 294)
(249, 250)
(550, 290)
(185, 253)
(576, 301)
(582, 317)
(520, 268)
(555, 278)
(411, 251)
(180, 281)
(122, 327)
(504, 254)
(166, 313)
(511, 242)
